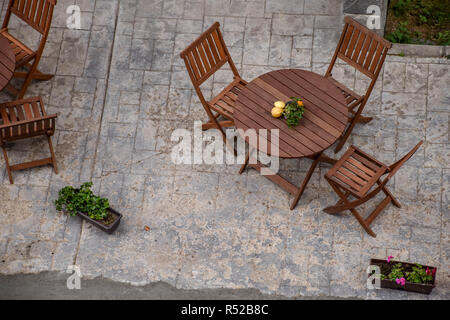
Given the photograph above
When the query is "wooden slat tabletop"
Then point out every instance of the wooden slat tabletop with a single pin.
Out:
(323, 122)
(7, 62)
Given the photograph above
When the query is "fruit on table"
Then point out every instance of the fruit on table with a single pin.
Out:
(277, 112)
(279, 104)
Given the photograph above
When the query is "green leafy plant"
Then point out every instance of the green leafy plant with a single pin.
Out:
(72, 201)
(401, 6)
(293, 111)
(396, 272)
(420, 275)
(401, 34)
(423, 19)
(443, 38)
(428, 21)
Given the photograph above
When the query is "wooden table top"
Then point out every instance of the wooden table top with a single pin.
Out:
(323, 122)
(7, 62)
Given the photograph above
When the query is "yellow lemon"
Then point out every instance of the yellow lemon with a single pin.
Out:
(279, 104)
(277, 112)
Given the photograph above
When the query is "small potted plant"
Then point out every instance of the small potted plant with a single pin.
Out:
(292, 111)
(405, 276)
(84, 203)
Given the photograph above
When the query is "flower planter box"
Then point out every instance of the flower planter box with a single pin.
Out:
(108, 228)
(409, 286)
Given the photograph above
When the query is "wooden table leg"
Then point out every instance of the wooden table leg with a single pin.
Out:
(305, 181)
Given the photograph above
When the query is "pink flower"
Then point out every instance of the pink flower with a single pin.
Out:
(433, 272)
(428, 271)
(400, 281)
(389, 259)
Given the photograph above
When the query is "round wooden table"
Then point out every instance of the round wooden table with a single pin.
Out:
(7, 62)
(323, 122)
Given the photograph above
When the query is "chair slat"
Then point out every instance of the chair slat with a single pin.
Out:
(376, 60)
(199, 64)
(357, 50)
(349, 174)
(12, 114)
(373, 47)
(213, 48)
(45, 13)
(32, 14)
(347, 181)
(203, 56)
(28, 112)
(208, 52)
(38, 16)
(348, 34)
(35, 109)
(22, 6)
(352, 44)
(365, 49)
(218, 44)
(193, 67)
(26, 11)
(366, 162)
(355, 167)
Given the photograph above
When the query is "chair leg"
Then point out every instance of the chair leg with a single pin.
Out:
(247, 157)
(344, 199)
(8, 169)
(305, 181)
(362, 119)
(344, 138)
(378, 209)
(389, 194)
(37, 75)
(362, 222)
(25, 86)
(55, 167)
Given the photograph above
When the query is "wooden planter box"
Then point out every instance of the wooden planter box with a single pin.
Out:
(413, 287)
(107, 228)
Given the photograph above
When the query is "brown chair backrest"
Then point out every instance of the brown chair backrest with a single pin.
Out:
(36, 13)
(24, 118)
(207, 54)
(361, 48)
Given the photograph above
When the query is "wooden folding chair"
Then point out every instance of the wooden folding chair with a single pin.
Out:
(354, 175)
(366, 51)
(37, 14)
(207, 54)
(24, 119)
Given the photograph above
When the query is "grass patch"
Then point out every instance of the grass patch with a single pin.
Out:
(418, 22)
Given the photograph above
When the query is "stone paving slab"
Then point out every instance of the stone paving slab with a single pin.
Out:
(120, 90)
